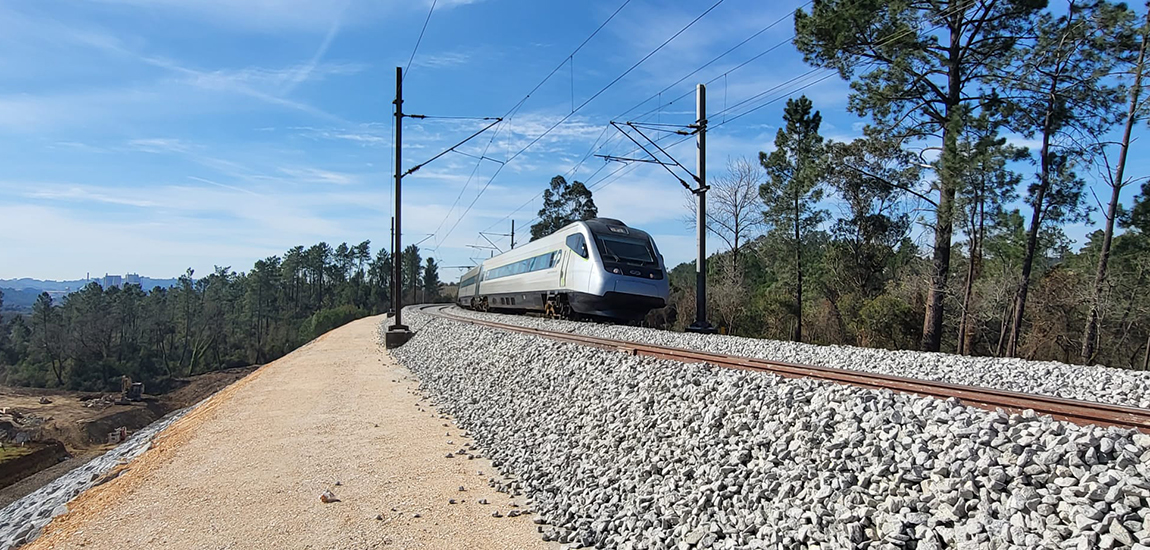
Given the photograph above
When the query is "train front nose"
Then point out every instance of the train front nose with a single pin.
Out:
(638, 288)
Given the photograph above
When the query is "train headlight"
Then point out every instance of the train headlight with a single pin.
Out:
(616, 271)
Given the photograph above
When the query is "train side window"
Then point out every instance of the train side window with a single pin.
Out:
(577, 244)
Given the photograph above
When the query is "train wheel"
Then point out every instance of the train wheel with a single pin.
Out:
(549, 310)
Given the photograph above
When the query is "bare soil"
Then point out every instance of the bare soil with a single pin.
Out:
(247, 468)
(81, 421)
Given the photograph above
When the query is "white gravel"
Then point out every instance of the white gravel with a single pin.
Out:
(1089, 383)
(637, 453)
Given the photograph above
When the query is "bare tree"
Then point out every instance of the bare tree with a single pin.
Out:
(728, 295)
(734, 211)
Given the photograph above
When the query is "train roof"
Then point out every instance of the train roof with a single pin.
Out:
(611, 225)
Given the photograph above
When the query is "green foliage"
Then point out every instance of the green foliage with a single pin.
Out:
(411, 271)
(887, 322)
(430, 281)
(871, 176)
(325, 320)
(221, 320)
(563, 203)
(1139, 217)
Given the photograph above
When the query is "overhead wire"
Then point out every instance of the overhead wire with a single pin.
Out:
(514, 109)
(725, 112)
(581, 105)
(574, 170)
(830, 73)
(788, 15)
(420, 39)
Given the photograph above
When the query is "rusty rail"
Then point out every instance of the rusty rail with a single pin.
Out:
(1078, 412)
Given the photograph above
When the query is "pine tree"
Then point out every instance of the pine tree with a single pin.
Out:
(987, 185)
(794, 189)
(924, 62)
(430, 281)
(410, 268)
(1131, 54)
(1058, 92)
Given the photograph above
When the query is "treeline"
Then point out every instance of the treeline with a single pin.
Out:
(936, 230)
(226, 319)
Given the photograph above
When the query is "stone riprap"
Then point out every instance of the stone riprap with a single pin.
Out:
(1090, 383)
(21, 521)
(619, 451)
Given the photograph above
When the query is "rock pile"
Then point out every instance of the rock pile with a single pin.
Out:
(1090, 383)
(636, 453)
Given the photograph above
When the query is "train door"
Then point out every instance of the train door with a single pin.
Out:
(564, 260)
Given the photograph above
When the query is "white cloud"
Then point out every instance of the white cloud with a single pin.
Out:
(76, 193)
(260, 15)
(360, 137)
(441, 60)
(160, 145)
(316, 175)
(642, 201)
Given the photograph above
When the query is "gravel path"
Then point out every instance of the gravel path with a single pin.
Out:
(1090, 383)
(631, 452)
(246, 469)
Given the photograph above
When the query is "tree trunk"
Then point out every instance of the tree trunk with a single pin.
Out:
(1003, 332)
(1090, 335)
(965, 326)
(1146, 356)
(948, 185)
(1035, 222)
(1125, 322)
(978, 218)
(798, 337)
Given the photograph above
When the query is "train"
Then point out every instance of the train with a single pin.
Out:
(597, 268)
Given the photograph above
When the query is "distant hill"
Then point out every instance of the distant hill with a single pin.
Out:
(147, 283)
(20, 294)
(19, 300)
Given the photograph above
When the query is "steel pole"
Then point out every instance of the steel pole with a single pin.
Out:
(397, 333)
(701, 324)
(392, 285)
(398, 254)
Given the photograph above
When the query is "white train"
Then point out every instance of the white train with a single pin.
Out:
(598, 267)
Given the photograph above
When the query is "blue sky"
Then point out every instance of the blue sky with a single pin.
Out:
(154, 135)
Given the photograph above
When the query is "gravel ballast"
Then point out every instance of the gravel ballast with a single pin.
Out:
(618, 451)
(1089, 383)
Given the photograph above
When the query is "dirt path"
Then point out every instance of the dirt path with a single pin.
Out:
(246, 469)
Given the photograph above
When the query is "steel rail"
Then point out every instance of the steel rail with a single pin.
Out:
(1071, 410)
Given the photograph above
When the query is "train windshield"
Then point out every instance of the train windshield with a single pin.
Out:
(624, 249)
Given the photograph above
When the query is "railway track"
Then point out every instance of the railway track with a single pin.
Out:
(1078, 412)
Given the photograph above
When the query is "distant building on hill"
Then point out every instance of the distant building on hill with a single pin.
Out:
(132, 279)
(110, 281)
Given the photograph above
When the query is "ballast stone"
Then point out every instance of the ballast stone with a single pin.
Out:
(1092, 383)
(618, 451)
